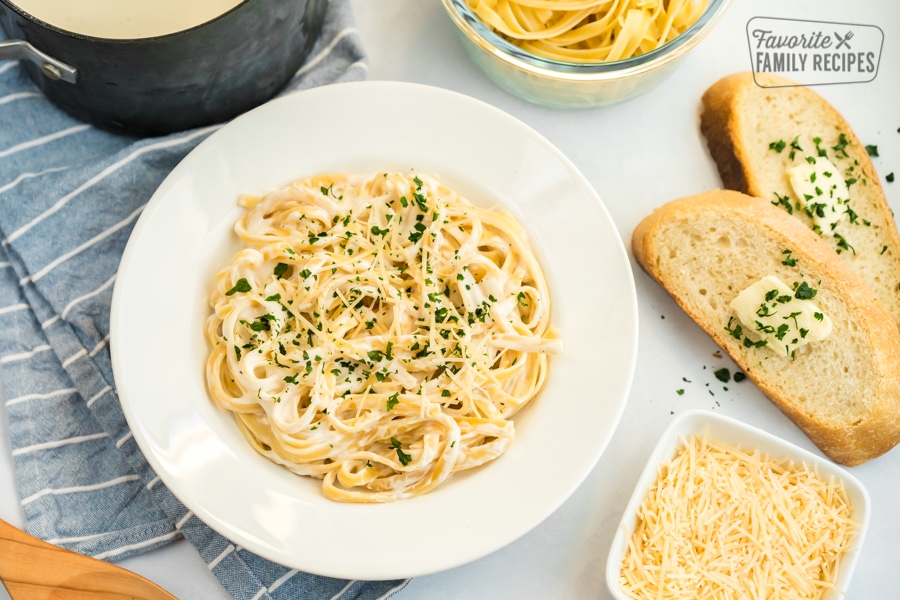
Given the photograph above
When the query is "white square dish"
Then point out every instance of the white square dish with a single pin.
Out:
(736, 433)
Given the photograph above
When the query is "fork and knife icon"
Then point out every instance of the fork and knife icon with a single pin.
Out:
(843, 41)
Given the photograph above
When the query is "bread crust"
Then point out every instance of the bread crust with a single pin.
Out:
(850, 441)
(723, 121)
(718, 125)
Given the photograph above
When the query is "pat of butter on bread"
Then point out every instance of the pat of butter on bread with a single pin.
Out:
(775, 314)
(843, 390)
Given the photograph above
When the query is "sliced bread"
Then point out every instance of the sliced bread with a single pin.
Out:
(756, 134)
(842, 391)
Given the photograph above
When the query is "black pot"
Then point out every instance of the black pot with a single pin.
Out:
(149, 86)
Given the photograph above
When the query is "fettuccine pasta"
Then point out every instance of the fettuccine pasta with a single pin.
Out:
(377, 332)
(588, 30)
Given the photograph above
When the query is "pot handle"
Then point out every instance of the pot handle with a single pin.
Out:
(50, 67)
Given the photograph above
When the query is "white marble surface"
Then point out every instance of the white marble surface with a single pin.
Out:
(637, 155)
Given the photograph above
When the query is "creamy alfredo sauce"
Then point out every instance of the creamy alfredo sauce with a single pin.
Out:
(125, 19)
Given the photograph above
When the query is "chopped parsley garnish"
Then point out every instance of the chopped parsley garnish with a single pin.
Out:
(415, 236)
(760, 326)
(872, 150)
(795, 147)
(840, 149)
(401, 455)
(889, 177)
(739, 377)
(736, 331)
(274, 298)
(777, 146)
(241, 286)
(421, 201)
(782, 331)
(819, 151)
(723, 375)
(794, 316)
(261, 323)
(392, 401)
(804, 292)
(842, 243)
(785, 202)
(329, 190)
(789, 261)
(423, 352)
(280, 270)
(237, 352)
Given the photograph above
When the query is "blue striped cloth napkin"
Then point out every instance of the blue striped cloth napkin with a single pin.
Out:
(69, 197)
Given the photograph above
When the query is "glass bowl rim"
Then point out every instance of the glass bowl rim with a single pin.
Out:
(485, 38)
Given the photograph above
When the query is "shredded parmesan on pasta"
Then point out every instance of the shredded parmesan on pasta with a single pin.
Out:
(377, 333)
(589, 30)
(724, 523)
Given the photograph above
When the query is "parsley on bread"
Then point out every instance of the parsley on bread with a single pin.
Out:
(843, 390)
(771, 141)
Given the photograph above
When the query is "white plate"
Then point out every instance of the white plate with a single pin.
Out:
(737, 433)
(185, 235)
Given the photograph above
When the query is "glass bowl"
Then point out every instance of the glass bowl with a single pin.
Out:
(737, 433)
(562, 84)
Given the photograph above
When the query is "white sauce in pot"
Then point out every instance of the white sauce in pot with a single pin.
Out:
(125, 19)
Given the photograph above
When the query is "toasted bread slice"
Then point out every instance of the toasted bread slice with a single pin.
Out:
(842, 391)
(756, 133)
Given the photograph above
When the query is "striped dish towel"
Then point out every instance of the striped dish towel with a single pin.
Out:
(69, 197)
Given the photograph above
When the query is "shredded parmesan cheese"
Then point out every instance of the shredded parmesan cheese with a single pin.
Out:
(726, 523)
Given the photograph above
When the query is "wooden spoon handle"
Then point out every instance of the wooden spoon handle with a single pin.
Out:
(32, 569)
